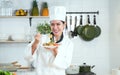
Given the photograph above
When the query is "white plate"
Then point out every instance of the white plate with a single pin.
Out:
(49, 46)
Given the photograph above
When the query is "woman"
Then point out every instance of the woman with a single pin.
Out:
(52, 61)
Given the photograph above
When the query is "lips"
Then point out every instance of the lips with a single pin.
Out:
(55, 31)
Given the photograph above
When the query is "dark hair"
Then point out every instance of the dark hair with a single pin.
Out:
(63, 21)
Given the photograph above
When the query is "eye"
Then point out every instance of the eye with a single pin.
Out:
(58, 24)
(52, 24)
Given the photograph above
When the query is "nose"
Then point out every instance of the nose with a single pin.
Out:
(55, 27)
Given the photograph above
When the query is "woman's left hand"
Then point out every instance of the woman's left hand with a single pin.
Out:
(55, 51)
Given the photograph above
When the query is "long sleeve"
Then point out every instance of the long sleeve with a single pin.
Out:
(64, 56)
(63, 60)
(28, 54)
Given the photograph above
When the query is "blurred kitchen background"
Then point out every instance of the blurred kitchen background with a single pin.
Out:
(103, 51)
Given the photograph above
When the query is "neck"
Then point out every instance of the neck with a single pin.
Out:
(59, 38)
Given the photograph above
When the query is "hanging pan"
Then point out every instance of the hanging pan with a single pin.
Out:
(80, 27)
(88, 32)
(97, 28)
(75, 28)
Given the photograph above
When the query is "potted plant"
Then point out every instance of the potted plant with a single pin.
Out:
(44, 28)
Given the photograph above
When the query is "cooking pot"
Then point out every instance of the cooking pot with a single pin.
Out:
(87, 73)
(85, 68)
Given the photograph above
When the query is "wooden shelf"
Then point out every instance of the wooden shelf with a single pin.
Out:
(24, 16)
(17, 41)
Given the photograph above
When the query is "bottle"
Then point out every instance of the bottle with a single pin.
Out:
(35, 11)
(45, 11)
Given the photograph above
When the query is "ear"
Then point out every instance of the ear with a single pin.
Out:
(65, 24)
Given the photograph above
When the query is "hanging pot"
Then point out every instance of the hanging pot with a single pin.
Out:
(88, 31)
(80, 27)
(97, 28)
(85, 68)
(87, 73)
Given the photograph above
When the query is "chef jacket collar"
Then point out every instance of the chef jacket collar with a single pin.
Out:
(61, 37)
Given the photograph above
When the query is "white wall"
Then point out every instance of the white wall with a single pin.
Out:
(115, 33)
(95, 52)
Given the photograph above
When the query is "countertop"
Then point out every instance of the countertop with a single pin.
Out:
(25, 72)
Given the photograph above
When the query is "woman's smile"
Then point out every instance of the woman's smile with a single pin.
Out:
(57, 27)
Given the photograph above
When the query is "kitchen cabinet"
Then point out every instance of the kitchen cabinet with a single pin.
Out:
(21, 17)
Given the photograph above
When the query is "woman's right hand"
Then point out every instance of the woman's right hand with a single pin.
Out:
(37, 40)
(37, 37)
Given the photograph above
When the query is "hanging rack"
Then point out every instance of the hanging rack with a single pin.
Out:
(97, 12)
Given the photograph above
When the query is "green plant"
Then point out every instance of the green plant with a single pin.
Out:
(44, 28)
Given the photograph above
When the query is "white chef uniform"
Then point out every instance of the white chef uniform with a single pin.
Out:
(43, 60)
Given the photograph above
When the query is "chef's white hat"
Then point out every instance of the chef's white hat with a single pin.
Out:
(57, 13)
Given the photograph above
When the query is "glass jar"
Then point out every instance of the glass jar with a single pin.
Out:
(6, 8)
(2, 8)
(9, 7)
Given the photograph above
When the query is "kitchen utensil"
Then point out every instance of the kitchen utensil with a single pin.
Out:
(70, 33)
(97, 28)
(66, 27)
(88, 32)
(85, 68)
(87, 73)
(80, 27)
(75, 28)
(66, 23)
